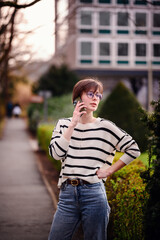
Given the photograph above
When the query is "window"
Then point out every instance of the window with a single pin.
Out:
(122, 49)
(140, 19)
(104, 18)
(86, 48)
(122, 1)
(86, 1)
(122, 19)
(86, 18)
(156, 50)
(156, 3)
(104, 49)
(104, 1)
(156, 20)
(140, 2)
(140, 49)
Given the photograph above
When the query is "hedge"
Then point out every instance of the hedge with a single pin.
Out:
(122, 108)
(127, 197)
(44, 134)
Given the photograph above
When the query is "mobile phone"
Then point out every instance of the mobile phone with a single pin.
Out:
(76, 101)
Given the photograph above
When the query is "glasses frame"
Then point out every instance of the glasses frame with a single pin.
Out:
(91, 95)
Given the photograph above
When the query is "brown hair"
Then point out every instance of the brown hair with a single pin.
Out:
(85, 85)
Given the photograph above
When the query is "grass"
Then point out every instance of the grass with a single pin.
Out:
(143, 157)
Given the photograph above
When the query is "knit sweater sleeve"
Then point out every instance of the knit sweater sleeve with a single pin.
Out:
(126, 144)
(129, 147)
(58, 145)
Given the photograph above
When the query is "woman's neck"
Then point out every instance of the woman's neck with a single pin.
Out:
(87, 118)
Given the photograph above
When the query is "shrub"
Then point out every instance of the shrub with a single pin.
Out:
(58, 107)
(122, 108)
(152, 175)
(34, 113)
(126, 196)
(59, 80)
(44, 134)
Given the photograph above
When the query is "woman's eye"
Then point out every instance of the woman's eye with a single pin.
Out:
(90, 94)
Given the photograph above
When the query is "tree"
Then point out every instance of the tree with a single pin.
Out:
(152, 175)
(122, 108)
(8, 13)
(59, 80)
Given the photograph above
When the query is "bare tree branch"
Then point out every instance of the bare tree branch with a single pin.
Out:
(17, 6)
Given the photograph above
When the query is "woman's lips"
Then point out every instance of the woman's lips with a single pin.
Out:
(93, 104)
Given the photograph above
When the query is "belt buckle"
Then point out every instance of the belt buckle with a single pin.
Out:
(74, 182)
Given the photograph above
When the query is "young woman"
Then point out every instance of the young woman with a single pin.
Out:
(86, 146)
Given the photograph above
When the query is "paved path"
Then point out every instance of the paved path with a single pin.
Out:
(26, 208)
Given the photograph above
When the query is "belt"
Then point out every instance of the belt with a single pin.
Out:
(76, 182)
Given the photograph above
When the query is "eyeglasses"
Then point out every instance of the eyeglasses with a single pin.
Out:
(91, 95)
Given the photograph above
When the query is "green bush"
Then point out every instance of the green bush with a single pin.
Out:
(122, 108)
(152, 175)
(58, 107)
(34, 113)
(44, 134)
(59, 80)
(127, 196)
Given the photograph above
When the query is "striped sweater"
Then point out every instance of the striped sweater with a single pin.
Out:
(92, 146)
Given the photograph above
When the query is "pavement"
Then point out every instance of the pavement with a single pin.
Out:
(26, 206)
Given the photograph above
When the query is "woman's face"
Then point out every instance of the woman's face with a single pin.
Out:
(91, 99)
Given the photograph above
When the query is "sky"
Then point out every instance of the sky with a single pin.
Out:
(40, 17)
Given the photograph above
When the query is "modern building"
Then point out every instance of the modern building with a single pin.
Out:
(111, 39)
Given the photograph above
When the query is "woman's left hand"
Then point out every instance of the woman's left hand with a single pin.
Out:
(103, 173)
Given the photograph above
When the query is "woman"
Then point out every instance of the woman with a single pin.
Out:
(86, 146)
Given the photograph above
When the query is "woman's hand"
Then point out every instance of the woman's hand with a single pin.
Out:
(75, 119)
(78, 112)
(105, 172)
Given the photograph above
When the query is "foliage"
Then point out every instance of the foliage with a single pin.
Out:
(122, 108)
(126, 196)
(34, 113)
(58, 107)
(58, 80)
(44, 134)
(152, 175)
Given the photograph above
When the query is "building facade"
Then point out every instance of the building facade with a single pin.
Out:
(111, 39)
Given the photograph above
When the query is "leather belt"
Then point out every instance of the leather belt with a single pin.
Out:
(76, 182)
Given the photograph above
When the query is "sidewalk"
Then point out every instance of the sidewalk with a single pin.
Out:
(26, 208)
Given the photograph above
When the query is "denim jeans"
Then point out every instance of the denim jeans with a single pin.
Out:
(86, 203)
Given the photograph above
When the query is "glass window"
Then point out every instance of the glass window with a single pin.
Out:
(86, 1)
(156, 50)
(104, 49)
(86, 18)
(140, 49)
(140, 19)
(86, 48)
(104, 1)
(156, 20)
(122, 1)
(104, 18)
(122, 19)
(122, 49)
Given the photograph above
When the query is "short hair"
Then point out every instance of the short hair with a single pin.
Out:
(85, 85)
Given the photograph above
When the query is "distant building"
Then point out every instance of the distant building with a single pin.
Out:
(112, 40)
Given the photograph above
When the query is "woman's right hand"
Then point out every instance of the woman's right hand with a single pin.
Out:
(75, 119)
(78, 112)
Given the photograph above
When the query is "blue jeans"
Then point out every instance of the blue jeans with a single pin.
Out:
(86, 203)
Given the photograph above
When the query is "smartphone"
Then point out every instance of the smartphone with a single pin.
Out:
(76, 101)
